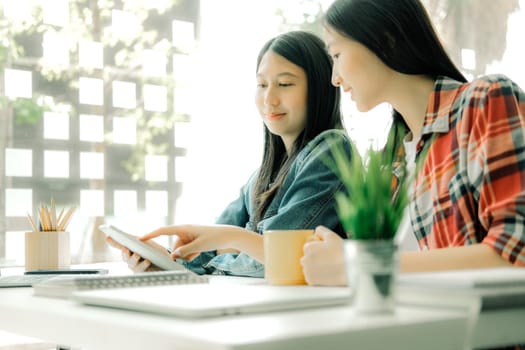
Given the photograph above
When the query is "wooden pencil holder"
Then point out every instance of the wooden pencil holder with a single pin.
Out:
(48, 250)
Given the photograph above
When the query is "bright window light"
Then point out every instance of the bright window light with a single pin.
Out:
(18, 162)
(91, 128)
(468, 59)
(156, 168)
(91, 165)
(154, 63)
(56, 126)
(18, 83)
(183, 68)
(125, 203)
(124, 130)
(55, 12)
(157, 4)
(18, 201)
(56, 49)
(15, 245)
(56, 164)
(20, 10)
(124, 25)
(183, 35)
(124, 94)
(184, 211)
(157, 203)
(91, 91)
(91, 54)
(92, 202)
(182, 170)
(155, 98)
(182, 134)
(183, 100)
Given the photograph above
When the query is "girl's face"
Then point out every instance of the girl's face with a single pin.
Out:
(357, 70)
(281, 97)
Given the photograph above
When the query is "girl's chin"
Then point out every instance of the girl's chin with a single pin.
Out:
(364, 107)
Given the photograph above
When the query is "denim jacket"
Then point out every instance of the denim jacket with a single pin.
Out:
(305, 200)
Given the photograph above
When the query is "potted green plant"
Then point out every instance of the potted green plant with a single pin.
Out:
(370, 209)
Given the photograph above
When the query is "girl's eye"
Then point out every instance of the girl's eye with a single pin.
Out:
(261, 85)
(336, 56)
(285, 84)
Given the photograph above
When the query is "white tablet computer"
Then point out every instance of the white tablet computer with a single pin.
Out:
(144, 250)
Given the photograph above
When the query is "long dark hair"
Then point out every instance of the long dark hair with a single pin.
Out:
(400, 33)
(307, 51)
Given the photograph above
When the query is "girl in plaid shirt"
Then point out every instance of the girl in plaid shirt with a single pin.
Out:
(467, 205)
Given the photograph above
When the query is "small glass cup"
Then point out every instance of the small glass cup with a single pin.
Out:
(372, 267)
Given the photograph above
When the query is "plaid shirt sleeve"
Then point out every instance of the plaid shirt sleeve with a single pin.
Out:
(471, 186)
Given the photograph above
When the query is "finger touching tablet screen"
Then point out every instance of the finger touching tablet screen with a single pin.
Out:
(144, 250)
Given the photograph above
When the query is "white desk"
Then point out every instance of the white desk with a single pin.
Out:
(490, 328)
(497, 313)
(499, 328)
(68, 323)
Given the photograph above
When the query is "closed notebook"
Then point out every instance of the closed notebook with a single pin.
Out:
(64, 286)
(499, 277)
(215, 299)
(495, 288)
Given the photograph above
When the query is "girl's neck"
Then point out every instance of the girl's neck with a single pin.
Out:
(288, 144)
(410, 98)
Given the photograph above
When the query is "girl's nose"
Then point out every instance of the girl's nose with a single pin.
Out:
(270, 97)
(336, 79)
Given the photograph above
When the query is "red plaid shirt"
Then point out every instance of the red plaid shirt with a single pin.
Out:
(471, 185)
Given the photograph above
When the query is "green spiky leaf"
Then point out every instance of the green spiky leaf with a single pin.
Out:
(369, 207)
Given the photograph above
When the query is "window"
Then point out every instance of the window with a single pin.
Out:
(88, 116)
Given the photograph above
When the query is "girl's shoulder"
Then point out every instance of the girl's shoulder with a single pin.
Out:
(492, 85)
(328, 137)
(324, 142)
(487, 100)
(491, 79)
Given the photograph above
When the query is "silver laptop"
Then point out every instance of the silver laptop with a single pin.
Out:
(215, 299)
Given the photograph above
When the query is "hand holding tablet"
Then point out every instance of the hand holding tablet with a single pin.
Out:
(141, 248)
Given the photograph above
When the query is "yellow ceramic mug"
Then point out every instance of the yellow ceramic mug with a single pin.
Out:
(283, 250)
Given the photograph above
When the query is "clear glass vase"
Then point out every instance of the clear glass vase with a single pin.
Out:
(372, 267)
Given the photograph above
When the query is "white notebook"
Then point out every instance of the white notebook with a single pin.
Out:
(498, 277)
(495, 288)
(202, 300)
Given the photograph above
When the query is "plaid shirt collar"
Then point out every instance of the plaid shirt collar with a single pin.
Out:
(440, 106)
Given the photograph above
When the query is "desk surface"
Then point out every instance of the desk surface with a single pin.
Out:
(69, 323)
(66, 322)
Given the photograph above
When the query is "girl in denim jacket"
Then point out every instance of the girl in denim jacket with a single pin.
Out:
(293, 188)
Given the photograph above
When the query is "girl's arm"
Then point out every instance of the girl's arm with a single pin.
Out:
(193, 239)
(323, 260)
(475, 256)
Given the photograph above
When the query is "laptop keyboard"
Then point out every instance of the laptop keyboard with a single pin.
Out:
(108, 281)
